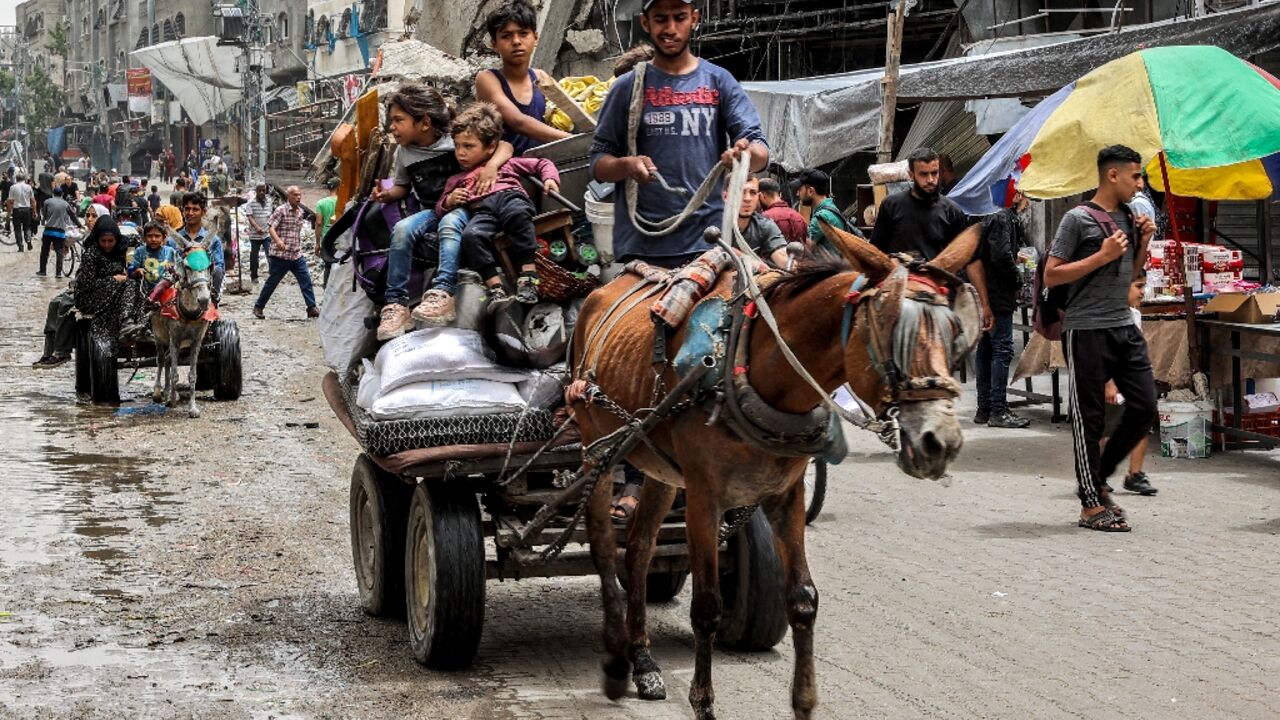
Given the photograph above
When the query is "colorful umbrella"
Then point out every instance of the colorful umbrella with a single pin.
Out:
(1212, 117)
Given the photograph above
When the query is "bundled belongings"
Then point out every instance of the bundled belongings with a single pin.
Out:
(440, 386)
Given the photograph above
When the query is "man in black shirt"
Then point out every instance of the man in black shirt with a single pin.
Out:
(921, 222)
(1001, 239)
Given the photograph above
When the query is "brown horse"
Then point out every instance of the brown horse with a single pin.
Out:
(720, 471)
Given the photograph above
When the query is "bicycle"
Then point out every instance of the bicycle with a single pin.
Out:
(70, 253)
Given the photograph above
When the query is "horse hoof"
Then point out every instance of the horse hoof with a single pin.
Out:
(193, 413)
(615, 678)
(649, 685)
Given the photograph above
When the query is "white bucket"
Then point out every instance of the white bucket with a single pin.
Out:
(600, 215)
(1184, 429)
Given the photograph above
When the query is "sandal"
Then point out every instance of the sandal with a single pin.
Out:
(629, 490)
(1105, 521)
(1110, 504)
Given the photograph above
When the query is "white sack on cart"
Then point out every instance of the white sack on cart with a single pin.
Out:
(447, 398)
(545, 336)
(439, 354)
(343, 334)
(545, 389)
(370, 385)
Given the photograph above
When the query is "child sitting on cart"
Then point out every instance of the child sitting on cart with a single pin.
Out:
(152, 258)
(418, 118)
(504, 208)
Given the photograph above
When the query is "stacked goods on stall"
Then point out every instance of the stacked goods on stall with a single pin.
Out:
(1206, 268)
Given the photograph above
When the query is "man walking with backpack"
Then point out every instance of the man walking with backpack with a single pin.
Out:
(1001, 239)
(1095, 253)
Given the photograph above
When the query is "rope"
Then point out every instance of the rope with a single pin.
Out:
(729, 228)
(644, 226)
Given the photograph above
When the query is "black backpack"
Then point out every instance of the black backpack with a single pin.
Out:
(1051, 303)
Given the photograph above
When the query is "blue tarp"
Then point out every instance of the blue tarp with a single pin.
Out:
(982, 190)
(56, 141)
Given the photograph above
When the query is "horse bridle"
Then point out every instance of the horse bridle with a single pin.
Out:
(182, 282)
(886, 354)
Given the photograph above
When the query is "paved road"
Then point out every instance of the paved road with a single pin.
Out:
(166, 567)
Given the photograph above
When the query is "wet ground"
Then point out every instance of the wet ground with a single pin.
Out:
(158, 566)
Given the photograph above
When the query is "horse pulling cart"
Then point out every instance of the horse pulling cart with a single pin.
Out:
(98, 363)
(431, 525)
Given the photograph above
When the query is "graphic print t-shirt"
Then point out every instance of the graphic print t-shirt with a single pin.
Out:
(688, 121)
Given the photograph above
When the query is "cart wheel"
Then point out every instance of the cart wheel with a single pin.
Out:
(754, 616)
(663, 587)
(227, 381)
(379, 511)
(84, 373)
(105, 383)
(815, 489)
(444, 575)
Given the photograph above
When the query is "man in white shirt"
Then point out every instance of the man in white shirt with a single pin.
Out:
(22, 203)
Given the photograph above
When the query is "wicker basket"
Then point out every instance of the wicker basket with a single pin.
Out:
(559, 285)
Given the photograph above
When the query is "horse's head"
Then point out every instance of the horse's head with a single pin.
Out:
(191, 278)
(915, 323)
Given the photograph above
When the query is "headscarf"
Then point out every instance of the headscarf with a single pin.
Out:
(102, 226)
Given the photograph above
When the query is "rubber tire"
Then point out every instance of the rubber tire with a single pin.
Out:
(378, 512)
(663, 587)
(444, 575)
(105, 382)
(83, 354)
(754, 613)
(818, 495)
(228, 381)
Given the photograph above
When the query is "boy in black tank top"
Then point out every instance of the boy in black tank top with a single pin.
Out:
(513, 89)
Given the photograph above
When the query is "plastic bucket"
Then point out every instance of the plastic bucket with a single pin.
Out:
(1184, 429)
(600, 215)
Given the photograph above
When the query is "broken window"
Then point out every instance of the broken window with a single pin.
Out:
(309, 28)
(373, 15)
(344, 30)
(169, 32)
(282, 26)
(179, 25)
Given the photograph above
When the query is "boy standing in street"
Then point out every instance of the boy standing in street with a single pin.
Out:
(1100, 340)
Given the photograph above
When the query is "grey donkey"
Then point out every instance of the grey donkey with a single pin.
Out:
(183, 326)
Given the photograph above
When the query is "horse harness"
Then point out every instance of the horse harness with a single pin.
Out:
(181, 281)
(721, 330)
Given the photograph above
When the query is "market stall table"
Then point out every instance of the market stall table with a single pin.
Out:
(1264, 350)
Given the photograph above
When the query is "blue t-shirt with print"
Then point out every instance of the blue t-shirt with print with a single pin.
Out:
(688, 121)
(152, 262)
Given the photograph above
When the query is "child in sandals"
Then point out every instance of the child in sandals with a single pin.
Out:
(504, 208)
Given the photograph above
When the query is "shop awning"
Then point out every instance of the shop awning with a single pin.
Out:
(200, 74)
(814, 121)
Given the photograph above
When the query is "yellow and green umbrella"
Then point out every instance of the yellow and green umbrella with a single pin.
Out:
(1212, 118)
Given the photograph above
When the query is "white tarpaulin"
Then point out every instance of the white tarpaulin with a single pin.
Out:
(200, 74)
